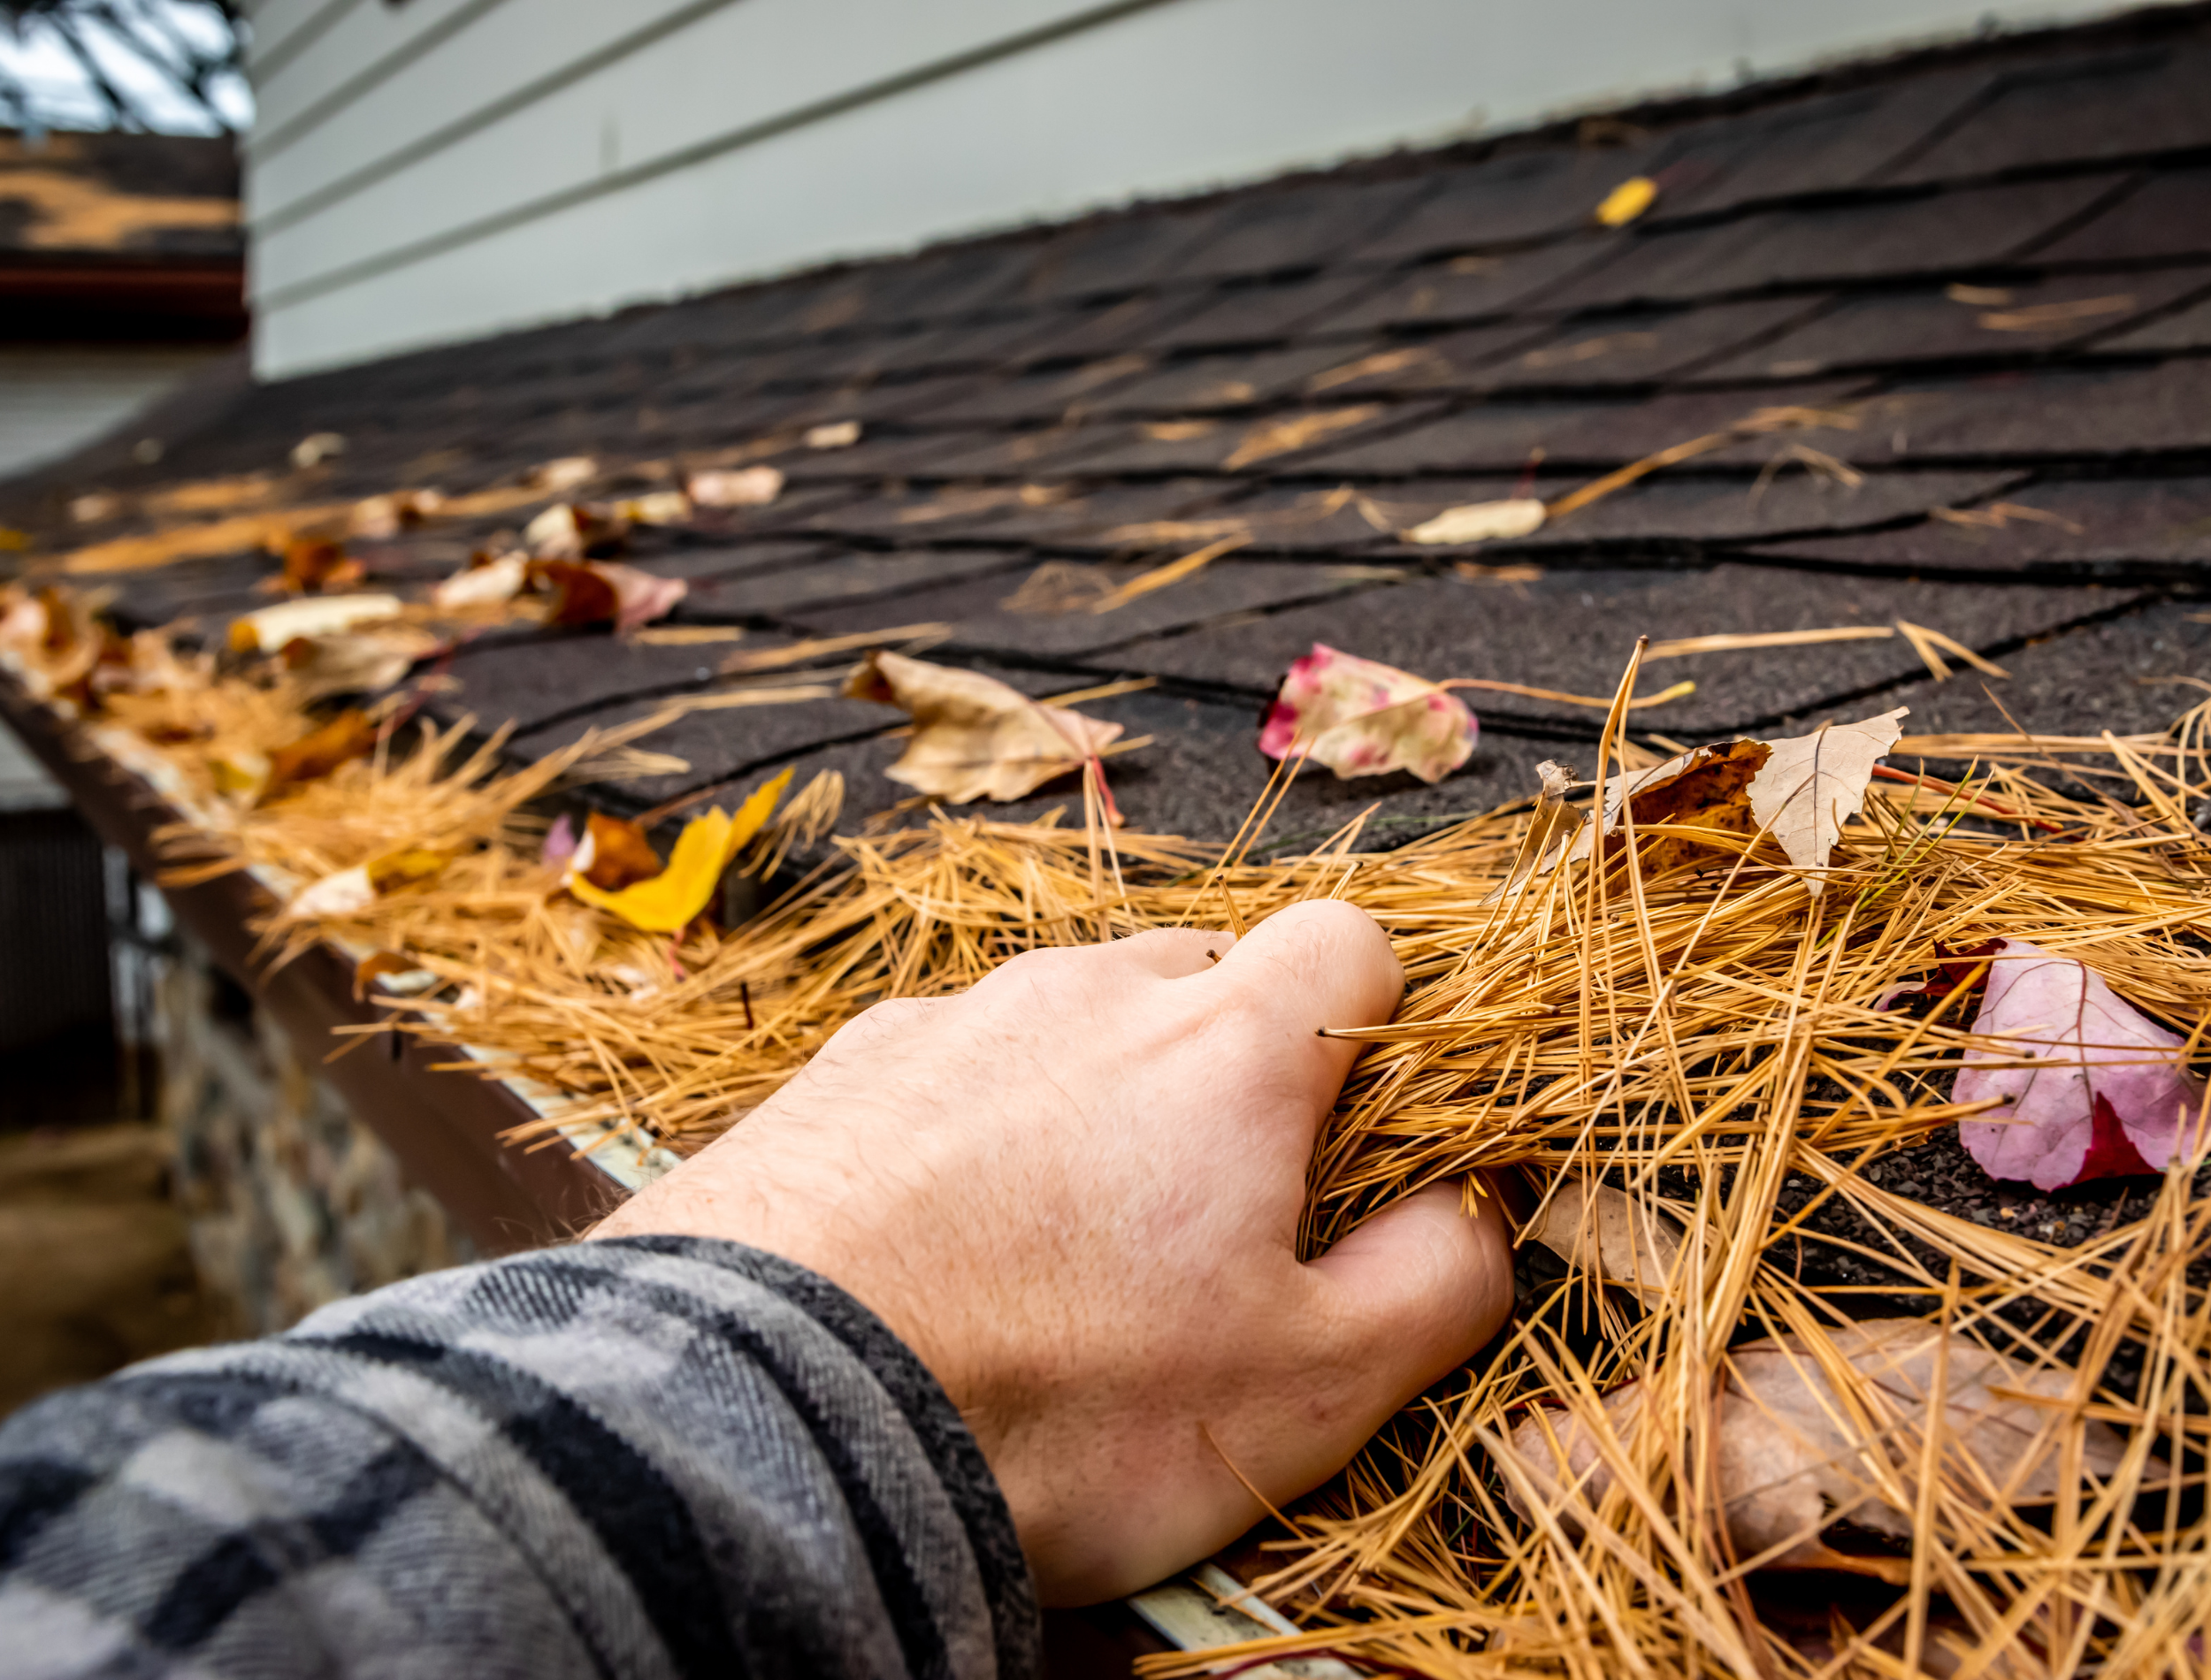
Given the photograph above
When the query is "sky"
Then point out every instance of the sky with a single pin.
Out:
(34, 58)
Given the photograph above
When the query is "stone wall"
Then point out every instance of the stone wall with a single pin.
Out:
(291, 1202)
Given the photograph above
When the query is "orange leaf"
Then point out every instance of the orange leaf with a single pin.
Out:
(348, 736)
(315, 563)
(375, 967)
(615, 854)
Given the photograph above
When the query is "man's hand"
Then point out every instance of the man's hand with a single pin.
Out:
(1074, 1191)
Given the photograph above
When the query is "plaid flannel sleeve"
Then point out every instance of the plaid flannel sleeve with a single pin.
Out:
(648, 1457)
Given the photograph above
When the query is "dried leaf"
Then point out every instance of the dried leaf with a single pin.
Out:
(349, 736)
(744, 487)
(640, 597)
(410, 867)
(1707, 787)
(658, 507)
(593, 591)
(240, 774)
(1060, 587)
(1545, 824)
(1627, 201)
(381, 518)
(1481, 521)
(57, 638)
(572, 530)
(365, 661)
(350, 891)
(671, 900)
(1801, 788)
(1607, 1232)
(835, 434)
(313, 563)
(347, 893)
(484, 585)
(2111, 1096)
(1812, 784)
(272, 627)
(398, 973)
(316, 447)
(974, 738)
(560, 842)
(1797, 1479)
(613, 854)
(564, 472)
(1364, 718)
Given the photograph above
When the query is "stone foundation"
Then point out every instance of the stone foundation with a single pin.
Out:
(291, 1202)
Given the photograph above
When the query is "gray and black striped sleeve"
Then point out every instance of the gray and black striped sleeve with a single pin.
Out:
(647, 1457)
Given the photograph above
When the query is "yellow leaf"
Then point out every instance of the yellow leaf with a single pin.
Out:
(408, 868)
(668, 903)
(1627, 201)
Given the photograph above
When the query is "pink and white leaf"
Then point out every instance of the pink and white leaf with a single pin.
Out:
(561, 842)
(640, 597)
(2109, 1094)
(1363, 718)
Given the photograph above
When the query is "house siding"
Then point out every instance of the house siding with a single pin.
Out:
(445, 169)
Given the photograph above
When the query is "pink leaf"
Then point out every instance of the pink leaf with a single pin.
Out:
(1361, 718)
(2109, 1096)
(560, 842)
(640, 598)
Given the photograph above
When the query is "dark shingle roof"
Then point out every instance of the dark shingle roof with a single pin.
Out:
(1990, 267)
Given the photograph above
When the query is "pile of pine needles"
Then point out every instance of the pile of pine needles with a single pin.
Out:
(1696, 1037)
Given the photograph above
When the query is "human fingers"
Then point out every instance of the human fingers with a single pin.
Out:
(1406, 1298)
(1174, 953)
(1322, 963)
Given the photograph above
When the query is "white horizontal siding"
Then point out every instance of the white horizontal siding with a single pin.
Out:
(761, 135)
(325, 45)
(744, 63)
(53, 400)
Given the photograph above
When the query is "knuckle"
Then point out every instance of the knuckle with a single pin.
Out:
(879, 1021)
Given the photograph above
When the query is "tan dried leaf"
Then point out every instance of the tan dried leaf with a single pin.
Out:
(1608, 1232)
(1801, 788)
(739, 487)
(1811, 784)
(1481, 521)
(974, 737)
(272, 628)
(365, 659)
(1807, 1467)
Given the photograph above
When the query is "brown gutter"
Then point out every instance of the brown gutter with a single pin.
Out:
(192, 298)
(444, 1126)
